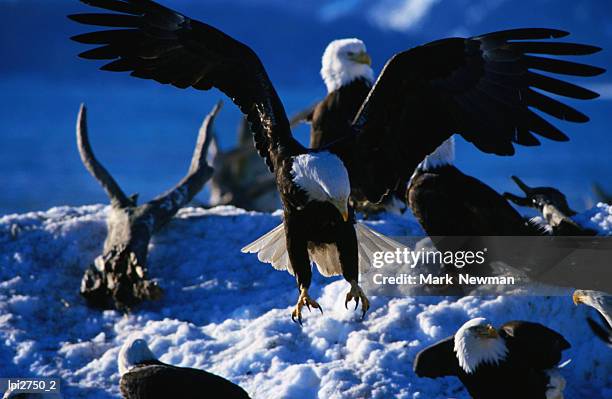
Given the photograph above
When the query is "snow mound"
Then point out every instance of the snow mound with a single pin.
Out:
(598, 218)
(229, 314)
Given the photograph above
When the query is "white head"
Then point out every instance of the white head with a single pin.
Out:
(478, 342)
(324, 178)
(133, 352)
(343, 61)
(595, 299)
(443, 155)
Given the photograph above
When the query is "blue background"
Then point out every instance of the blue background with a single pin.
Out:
(144, 132)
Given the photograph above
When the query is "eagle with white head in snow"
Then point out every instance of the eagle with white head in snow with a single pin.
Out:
(517, 360)
(481, 87)
(143, 376)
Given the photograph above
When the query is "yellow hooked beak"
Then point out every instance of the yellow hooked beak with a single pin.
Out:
(577, 298)
(488, 332)
(361, 58)
(342, 207)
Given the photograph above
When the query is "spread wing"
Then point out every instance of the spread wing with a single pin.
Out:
(154, 42)
(485, 88)
(437, 360)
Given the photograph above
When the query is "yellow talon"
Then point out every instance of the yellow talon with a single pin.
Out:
(303, 300)
(356, 293)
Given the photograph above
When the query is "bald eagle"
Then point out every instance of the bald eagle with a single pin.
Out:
(348, 76)
(479, 87)
(554, 207)
(601, 302)
(518, 360)
(447, 202)
(145, 377)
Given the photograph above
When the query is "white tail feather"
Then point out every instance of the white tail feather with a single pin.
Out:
(272, 248)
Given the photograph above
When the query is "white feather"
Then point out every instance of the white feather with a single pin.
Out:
(134, 351)
(472, 350)
(601, 301)
(338, 70)
(322, 175)
(442, 156)
(272, 248)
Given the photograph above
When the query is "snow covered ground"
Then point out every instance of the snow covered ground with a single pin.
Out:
(229, 314)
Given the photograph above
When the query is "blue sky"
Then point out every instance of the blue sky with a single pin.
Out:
(144, 132)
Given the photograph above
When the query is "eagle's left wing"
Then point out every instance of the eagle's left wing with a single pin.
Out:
(484, 88)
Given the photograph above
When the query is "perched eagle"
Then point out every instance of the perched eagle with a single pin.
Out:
(518, 360)
(479, 87)
(447, 202)
(145, 377)
(346, 71)
(601, 302)
(348, 76)
(554, 207)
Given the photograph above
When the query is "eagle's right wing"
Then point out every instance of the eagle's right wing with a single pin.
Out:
(155, 42)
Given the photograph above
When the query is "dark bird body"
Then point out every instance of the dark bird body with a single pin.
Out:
(478, 87)
(332, 117)
(532, 351)
(156, 380)
(447, 202)
(143, 376)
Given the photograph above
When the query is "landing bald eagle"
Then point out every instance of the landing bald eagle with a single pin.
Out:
(145, 377)
(518, 360)
(479, 87)
(601, 302)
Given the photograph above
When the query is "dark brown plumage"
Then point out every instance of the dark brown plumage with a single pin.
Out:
(164, 381)
(532, 350)
(143, 376)
(332, 117)
(447, 202)
(479, 87)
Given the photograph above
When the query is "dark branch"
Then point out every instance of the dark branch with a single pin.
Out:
(114, 192)
(118, 277)
(304, 116)
(167, 204)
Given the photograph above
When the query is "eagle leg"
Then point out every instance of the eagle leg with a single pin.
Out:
(356, 293)
(303, 300)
